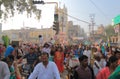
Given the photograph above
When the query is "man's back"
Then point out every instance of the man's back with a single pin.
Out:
(4, 71)
(81, 73)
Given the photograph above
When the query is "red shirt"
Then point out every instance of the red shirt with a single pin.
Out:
(103, 74)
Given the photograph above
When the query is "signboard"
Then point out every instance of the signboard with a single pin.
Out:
(116, 20)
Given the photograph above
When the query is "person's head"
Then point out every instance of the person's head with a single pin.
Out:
(12, 51)
(31, 50)
(117, 53)
(46, 45)
(113, 62)
(44, 57)
(14, 46)
(97, 57)
(60, 49)
(9, 60)
(87, 48)
(83, 61)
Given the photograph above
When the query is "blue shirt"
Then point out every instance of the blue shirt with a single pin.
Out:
(9, 50)
(31, 58)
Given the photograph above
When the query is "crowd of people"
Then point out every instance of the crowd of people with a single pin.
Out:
(49, 61)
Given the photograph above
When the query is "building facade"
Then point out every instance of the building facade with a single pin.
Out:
(29, 34)
(63, 24)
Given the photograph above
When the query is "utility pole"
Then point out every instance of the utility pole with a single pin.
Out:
(89, 29)
(92, 16)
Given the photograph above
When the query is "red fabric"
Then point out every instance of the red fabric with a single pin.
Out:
(59, 59)
(119, 62)
(18, 77)
(103, 74)
(1, 50)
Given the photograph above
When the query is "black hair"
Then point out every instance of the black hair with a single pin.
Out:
(60, 48)
(13, 45)
(82, 58)
(43, 53)
(46, 44)
(111, 60)
(31, 48)
(10, 58)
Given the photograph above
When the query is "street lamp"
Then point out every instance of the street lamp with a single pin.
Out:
(38, 2)
(42, 2)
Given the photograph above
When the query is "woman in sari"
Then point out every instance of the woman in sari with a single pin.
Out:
(59, 59)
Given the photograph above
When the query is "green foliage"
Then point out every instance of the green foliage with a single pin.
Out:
(109, 30)
(6, 40)
(11, 6)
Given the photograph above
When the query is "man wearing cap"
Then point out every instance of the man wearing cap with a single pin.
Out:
(45, 69)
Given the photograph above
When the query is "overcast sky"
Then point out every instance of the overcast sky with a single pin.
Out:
(103, 10)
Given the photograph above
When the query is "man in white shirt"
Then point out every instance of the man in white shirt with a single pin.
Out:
(45, 70)
(87, 52)
(4, 70)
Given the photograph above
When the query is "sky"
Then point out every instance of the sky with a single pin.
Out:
(103, 10)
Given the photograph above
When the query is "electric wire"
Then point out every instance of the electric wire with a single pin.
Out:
(99, 10)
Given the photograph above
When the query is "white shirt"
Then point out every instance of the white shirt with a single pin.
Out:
(47, 50)
(4, 71)
(88, 54)
(50, 72)
(95, 68)
(74, 62)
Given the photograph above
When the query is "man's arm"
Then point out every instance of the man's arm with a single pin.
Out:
(55, 71)
(20, 60)
(75, 75)
(35, 72)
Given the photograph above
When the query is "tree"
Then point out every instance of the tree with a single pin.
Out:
(109, 30)
(6, 40)
(9, 7)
